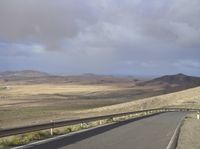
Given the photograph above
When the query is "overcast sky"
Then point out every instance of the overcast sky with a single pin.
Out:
(129, 37)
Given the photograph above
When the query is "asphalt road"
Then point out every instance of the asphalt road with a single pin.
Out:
(150, 133)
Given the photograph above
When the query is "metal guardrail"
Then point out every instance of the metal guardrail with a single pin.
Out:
(44, 126)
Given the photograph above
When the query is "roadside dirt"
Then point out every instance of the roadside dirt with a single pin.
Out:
(190, 133)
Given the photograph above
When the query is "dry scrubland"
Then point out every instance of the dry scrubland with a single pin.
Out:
(189, 98)
(31, 104)
(28, 104)
(20, 90)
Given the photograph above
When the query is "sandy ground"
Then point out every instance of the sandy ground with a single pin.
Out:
(190, 133)
(189, 98)
(30, 104)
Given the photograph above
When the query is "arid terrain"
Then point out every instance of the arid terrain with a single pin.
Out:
(29, 97)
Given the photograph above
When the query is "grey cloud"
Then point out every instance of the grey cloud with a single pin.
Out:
(103, 35)
(51, 22)
(14, 50)
(188, 64)
(47, 22)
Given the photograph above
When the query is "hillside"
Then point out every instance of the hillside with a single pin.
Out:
(188, 98)
(20, 74)
(36, 77)
(173, 83)
(178, 79)
(162, 85)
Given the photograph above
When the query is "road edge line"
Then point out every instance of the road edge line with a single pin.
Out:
(174, 139)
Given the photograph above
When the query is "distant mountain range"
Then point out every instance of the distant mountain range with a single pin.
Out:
(35, 77)
(179, 81)
(24, 73)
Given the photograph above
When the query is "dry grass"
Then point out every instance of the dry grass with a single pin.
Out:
(187, 98)
(17, 96)
(30, 104)
(22, 90)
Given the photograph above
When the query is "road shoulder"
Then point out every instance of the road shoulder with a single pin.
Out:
(189, 135)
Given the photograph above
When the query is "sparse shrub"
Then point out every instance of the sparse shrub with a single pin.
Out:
(76, 127)
(36, 136)
(44, 134)
(110, 120)
(67, 130)
(3, 144)
(57, 132)
(16, 141)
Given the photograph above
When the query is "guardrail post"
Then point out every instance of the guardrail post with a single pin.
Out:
(101, 122)
(51, 130)
(198, 116)
(81, 125)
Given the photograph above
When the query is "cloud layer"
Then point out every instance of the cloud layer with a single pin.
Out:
(101, 36)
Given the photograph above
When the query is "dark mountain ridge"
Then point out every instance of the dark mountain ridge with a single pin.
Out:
(173, 83)
(24, 73)
(36, 77)
(180, 81)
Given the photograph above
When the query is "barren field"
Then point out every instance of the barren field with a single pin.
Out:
(189, 98)
(30, 104)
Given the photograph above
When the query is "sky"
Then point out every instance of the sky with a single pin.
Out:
(122, 37)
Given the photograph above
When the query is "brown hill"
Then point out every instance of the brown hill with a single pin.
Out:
(24, 73)
(36, 77)
(166, 83)
(173, 82)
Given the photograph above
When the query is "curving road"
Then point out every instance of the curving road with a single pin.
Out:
(150, 133)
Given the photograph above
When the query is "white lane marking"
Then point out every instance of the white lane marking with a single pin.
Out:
(169, 146)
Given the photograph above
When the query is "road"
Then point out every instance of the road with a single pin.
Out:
(150, 133)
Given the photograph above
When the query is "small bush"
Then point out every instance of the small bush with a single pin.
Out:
(76, 127)
(44, 134)
(68, 130)
(57, 132)
(3, 144)
(16, 141)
